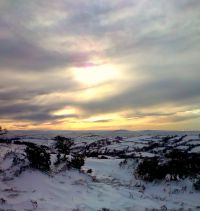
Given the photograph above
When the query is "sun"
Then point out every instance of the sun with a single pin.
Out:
(94, 75)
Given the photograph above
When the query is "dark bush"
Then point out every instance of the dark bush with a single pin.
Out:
(151, 146)
(38, 157)
(77, 162)
(149, 169)
(3, 131)
(89, 171)
(118, 138)
(176, 154)
(63, 144)
(183, 163)
(167, 138)
(196, 184)
(94, 154)
(18, 142)
(177, 163)
(5, 140)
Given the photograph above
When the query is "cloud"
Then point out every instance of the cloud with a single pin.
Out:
(150, 94)
(43, 117)
(155, 45)
(101, 120)
(33, 112)
(22, 55)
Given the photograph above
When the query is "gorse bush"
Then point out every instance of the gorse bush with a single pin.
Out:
(177, 163)
(38, 157)
(196, 184)
(63, 144)
(3, 131)
(3, 138)
(77, 162)
(148, 169)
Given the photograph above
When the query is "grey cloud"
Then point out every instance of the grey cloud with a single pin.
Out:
(184, 118)
(139, 114)
(103, 120)
(14, 109)
(34, 113)
(150, 94)
(21, 43)
(42, 117)
(13, 89)
(22, 55)
(161, 38)
(186, 4)
(175, 118)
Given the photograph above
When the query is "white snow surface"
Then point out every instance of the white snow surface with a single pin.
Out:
(110, 184)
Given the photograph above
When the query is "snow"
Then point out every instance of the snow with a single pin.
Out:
(68, 191)
(6, 164)
(195, 150)
(194, 142)
(108, 169)
(182, 147)
(191, 137)
(110, 183)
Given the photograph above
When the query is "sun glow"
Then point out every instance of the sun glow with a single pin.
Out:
(103, 117)
(68, 110)
(93, 75)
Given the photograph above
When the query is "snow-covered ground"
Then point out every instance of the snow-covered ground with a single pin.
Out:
(105, 181)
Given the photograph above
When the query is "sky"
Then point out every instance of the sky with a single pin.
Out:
(100, 65)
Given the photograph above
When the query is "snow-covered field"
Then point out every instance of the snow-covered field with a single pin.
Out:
(107, 181)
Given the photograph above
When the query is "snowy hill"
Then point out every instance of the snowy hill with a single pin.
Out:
(114, 175)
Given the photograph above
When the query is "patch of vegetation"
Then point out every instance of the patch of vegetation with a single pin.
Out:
(38, 157)
(196, 184)
(63, 144)
(2, 201)
(176, 163)
(118, 139)
(3, 138)
(3, 131)
(149, 169)
(93, 154)
(89, 171)
(77, 162)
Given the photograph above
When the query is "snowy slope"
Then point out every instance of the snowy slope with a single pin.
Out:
(102, 183)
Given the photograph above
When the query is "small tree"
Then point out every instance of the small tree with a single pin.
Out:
(63, 144)
(38, 157)
(77, 162)
(196, 184)
(3, 131)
